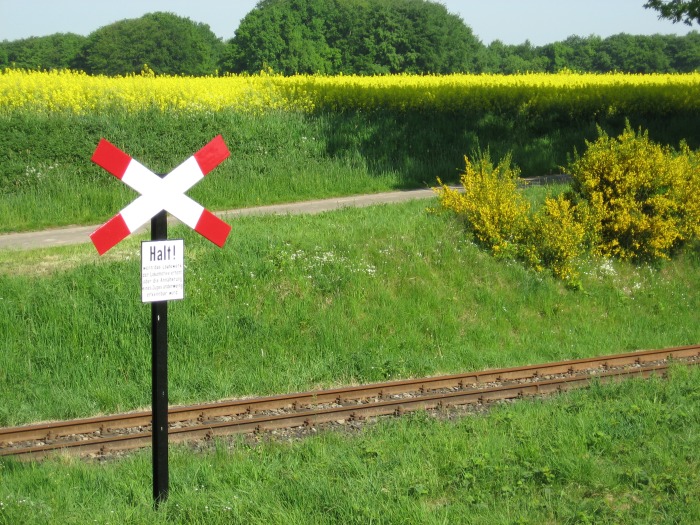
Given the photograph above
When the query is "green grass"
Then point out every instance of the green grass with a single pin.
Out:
(615, 454)
(301, 302)
(357, 295)
(47, 179)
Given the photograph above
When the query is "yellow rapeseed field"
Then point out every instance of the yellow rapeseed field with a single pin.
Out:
(570, 93)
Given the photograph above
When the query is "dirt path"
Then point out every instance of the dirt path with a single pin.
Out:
(81, 234)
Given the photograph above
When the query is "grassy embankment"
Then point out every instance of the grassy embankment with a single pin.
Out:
(350, 296)
(47, 179)
(293, 303)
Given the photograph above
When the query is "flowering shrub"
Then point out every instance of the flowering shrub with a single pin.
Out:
(555, 239)
(489, 204)
(644, 198)
(501, 219)
(631, 199)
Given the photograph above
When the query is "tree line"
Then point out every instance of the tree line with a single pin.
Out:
(365, 37)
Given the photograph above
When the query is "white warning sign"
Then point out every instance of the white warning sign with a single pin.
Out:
(162, 270)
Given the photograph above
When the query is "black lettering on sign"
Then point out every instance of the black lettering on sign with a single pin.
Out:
(163, 254)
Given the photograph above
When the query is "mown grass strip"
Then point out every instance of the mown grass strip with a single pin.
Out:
(619, 453)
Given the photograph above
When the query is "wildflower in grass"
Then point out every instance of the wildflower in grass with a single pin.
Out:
(606, 268)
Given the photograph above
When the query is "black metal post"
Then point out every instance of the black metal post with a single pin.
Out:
(159, 371)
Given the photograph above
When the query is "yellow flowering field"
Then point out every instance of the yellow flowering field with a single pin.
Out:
(572, 94)
(78, 92)
(575, 94)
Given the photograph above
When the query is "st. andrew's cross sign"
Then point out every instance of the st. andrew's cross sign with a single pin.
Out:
(160, 195)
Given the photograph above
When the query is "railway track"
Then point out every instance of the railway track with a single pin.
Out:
(101, 436)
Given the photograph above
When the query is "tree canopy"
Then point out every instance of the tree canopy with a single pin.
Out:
(364, 37)
(47, 52)
(686, 11)
(169, 44)
(351, 36)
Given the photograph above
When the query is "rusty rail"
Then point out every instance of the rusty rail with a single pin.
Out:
(103, 435)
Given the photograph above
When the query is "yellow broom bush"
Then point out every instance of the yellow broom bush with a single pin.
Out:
(555, 240)
(645, 197)
(630, 198)
(502, 221)
(490, 204)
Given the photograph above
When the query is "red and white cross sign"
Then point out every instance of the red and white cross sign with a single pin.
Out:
(158, 194)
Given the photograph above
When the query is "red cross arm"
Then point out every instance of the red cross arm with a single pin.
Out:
(110, 233)
(213, 228)
(211, 155)
(116, 162)
(111, 158)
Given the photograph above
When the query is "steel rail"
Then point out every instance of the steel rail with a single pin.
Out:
(127, 431)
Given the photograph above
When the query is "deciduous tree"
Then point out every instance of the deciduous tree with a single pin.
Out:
(686, 11)
(46, 52)
(169, 44)
(351, 36)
